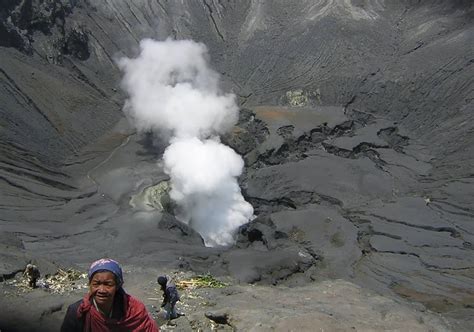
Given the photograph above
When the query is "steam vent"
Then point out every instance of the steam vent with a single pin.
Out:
(311, 161)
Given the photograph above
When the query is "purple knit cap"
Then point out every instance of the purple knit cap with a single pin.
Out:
(107, 264)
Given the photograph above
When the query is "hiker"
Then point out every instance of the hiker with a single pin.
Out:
(170, 296)
(32, 273)
(107, 307)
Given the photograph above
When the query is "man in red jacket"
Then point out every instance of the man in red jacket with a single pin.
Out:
(107, 307)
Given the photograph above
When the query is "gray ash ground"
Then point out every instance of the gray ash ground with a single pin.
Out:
(356, 129)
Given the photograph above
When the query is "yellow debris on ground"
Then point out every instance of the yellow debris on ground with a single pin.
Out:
(60, 282)
(66, 280)
(201, 281)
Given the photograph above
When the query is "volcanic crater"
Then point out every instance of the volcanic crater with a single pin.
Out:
(355, 125)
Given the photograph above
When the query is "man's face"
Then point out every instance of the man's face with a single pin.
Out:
(103, 287)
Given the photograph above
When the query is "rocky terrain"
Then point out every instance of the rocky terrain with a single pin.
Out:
(356, 127)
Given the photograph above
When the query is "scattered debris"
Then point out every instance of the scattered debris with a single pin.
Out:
(61, 282)
(201, 281)
(66, 280)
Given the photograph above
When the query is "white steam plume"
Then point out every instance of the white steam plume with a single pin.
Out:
(172, 89)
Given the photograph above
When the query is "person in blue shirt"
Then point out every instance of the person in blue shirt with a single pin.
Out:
(170, 296)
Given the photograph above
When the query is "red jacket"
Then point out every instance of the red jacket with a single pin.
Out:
(129, 315)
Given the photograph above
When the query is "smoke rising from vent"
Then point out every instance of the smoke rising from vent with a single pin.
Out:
(173, 90)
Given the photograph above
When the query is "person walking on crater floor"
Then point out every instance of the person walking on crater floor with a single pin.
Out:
(170, 297)
(107, 307)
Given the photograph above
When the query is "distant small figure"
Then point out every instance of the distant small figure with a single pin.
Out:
(33, 274)
(170, 296)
